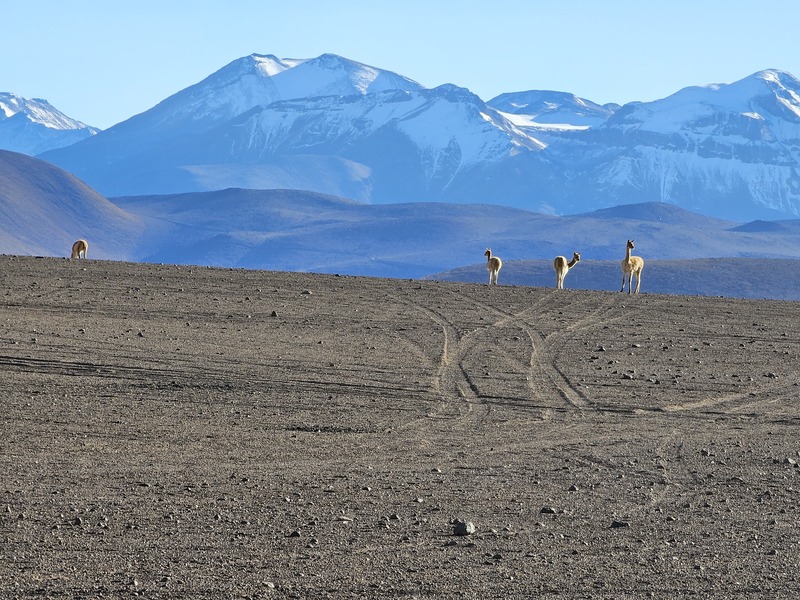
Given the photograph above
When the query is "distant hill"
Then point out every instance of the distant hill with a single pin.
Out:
(303, 231)
(44, 210)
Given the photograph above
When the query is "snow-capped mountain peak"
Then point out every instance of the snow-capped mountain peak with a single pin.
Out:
(37, 110)
(333, 75)
(257, 81)
(271, 65)
(766, 95)
(31, 126)
(544, 107)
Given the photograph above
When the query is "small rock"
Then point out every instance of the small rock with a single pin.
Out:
(463, 527)
(617, 524)
(548, 510)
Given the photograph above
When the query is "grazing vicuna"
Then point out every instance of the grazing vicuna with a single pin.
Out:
(632, 265)
(562, 267)
(79, 249)
(493, 264)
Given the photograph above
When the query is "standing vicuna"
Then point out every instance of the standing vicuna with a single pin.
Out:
(632, 265)
(562, 267)
(493, 264)
(79, 249)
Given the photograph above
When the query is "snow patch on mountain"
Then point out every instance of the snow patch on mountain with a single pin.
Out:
(464, 132)
(332, 75)
(271, 65)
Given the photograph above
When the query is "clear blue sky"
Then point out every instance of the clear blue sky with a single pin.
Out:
(102, 61)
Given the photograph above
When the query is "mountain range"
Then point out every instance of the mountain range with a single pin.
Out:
(339, 127)
(328, 165)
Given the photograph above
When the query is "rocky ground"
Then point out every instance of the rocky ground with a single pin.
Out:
(186, 432)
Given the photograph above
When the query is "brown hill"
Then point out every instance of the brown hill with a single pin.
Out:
(178, 432)
(44, 210)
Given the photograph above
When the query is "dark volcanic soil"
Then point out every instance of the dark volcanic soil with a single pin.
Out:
(178, 432)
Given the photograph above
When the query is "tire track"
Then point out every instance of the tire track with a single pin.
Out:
(741, 402)
(543, 366)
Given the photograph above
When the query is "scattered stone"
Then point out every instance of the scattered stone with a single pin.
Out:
(617, 524)
(273, 314)
(548, 510)
(295, 533)
(573, 488)
(463, 527)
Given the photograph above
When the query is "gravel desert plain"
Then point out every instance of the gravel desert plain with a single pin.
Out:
(204, 433)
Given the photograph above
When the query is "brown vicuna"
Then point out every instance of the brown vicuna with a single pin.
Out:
(632, 265)
(562, 267)
(493, 264)
(79, 249)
